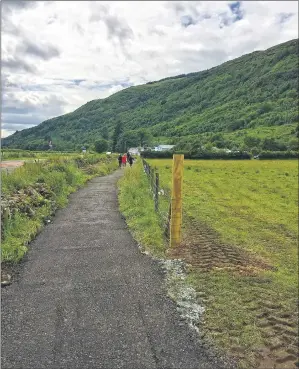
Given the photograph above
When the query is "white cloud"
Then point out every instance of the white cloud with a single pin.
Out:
(5, 132)
(59, 55)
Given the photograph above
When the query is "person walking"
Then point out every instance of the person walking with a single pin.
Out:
(131, 160)
(119, 160)
(124, 160)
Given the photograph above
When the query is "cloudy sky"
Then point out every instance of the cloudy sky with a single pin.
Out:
(57, 55)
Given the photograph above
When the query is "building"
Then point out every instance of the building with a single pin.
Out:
(134, 151)
(164, 147)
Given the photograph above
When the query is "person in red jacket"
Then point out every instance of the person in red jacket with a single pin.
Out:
(124, 160)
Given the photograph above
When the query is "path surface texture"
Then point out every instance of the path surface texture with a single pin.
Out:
(87, 298)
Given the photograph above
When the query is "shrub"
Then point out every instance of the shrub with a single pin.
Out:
(236, 155)
(278, 155)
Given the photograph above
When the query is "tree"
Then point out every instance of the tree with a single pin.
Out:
(196, 146)
(270, 144)
(293, 144)
(254, 150)
(251, 141)
(117, 132)
(145, 138)
(101, 145)
(105, 133)
(126, 140)
(209, 146)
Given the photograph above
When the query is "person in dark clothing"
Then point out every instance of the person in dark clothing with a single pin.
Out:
(119, 160)
(128, 156)
(131, 160)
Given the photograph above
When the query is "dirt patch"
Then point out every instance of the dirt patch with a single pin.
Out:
(202, 250)
(10, 272)
(11, 164)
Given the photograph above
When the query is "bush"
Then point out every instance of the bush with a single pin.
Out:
(278, 155)
(237, 155)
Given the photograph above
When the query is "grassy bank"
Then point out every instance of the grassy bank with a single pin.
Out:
(32, 193)
(136, 204)
(240, 238)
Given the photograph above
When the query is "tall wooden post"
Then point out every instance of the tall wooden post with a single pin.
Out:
(176, 200)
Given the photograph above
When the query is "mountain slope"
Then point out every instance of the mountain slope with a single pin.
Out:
(233, 100)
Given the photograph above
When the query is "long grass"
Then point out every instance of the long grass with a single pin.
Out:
(34, 191)
(136, 204)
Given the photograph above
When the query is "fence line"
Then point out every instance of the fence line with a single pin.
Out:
(161, 197)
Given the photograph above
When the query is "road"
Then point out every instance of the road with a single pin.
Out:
(87, 298)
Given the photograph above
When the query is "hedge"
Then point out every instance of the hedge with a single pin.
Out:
(199, 155)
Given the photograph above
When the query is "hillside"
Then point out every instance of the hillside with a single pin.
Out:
(251, 101)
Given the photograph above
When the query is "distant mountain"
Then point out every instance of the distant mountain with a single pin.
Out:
(251, 101)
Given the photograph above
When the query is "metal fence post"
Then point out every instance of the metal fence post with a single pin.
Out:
(176, 200)
(157, 192)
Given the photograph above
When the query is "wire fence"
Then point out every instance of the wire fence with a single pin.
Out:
(161, 197)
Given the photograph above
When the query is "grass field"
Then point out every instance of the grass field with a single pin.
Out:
(15, 154)
(240, 240)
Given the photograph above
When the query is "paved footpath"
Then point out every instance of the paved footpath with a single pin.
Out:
(87, 298)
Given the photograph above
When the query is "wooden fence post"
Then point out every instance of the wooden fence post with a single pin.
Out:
(176, 200)
(157, 192)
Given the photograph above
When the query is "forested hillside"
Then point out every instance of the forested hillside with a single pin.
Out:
(249, 102)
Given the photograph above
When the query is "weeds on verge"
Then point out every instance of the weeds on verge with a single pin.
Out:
(34, 191)
(136, 204)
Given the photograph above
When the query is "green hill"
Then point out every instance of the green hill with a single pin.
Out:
(251, 101)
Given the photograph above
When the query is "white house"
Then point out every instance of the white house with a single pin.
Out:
(164, 147)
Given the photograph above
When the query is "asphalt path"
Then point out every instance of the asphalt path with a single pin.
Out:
(87, 298)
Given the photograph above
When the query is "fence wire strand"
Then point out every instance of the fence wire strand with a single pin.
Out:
(161, 197)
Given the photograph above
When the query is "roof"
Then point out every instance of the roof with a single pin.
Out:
(166, 146)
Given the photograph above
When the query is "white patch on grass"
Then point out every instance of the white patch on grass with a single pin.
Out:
(188, 304)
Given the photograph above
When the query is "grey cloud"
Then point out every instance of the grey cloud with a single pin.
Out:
(99, 11)
(17, 64)
(14, 110)
(18, 114)
(200, 60)
(11, 103)
(116, 27)
(42, 51)
(10, 6)
(188, 12)
(179, 8)
(9, 27)
(155, 30)
(225, 20)
(20, 119)
(79, 28)
(186, 8)
(187, 20)
(17, 5)
(284, 17)
(52, 19)
(12, 127)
